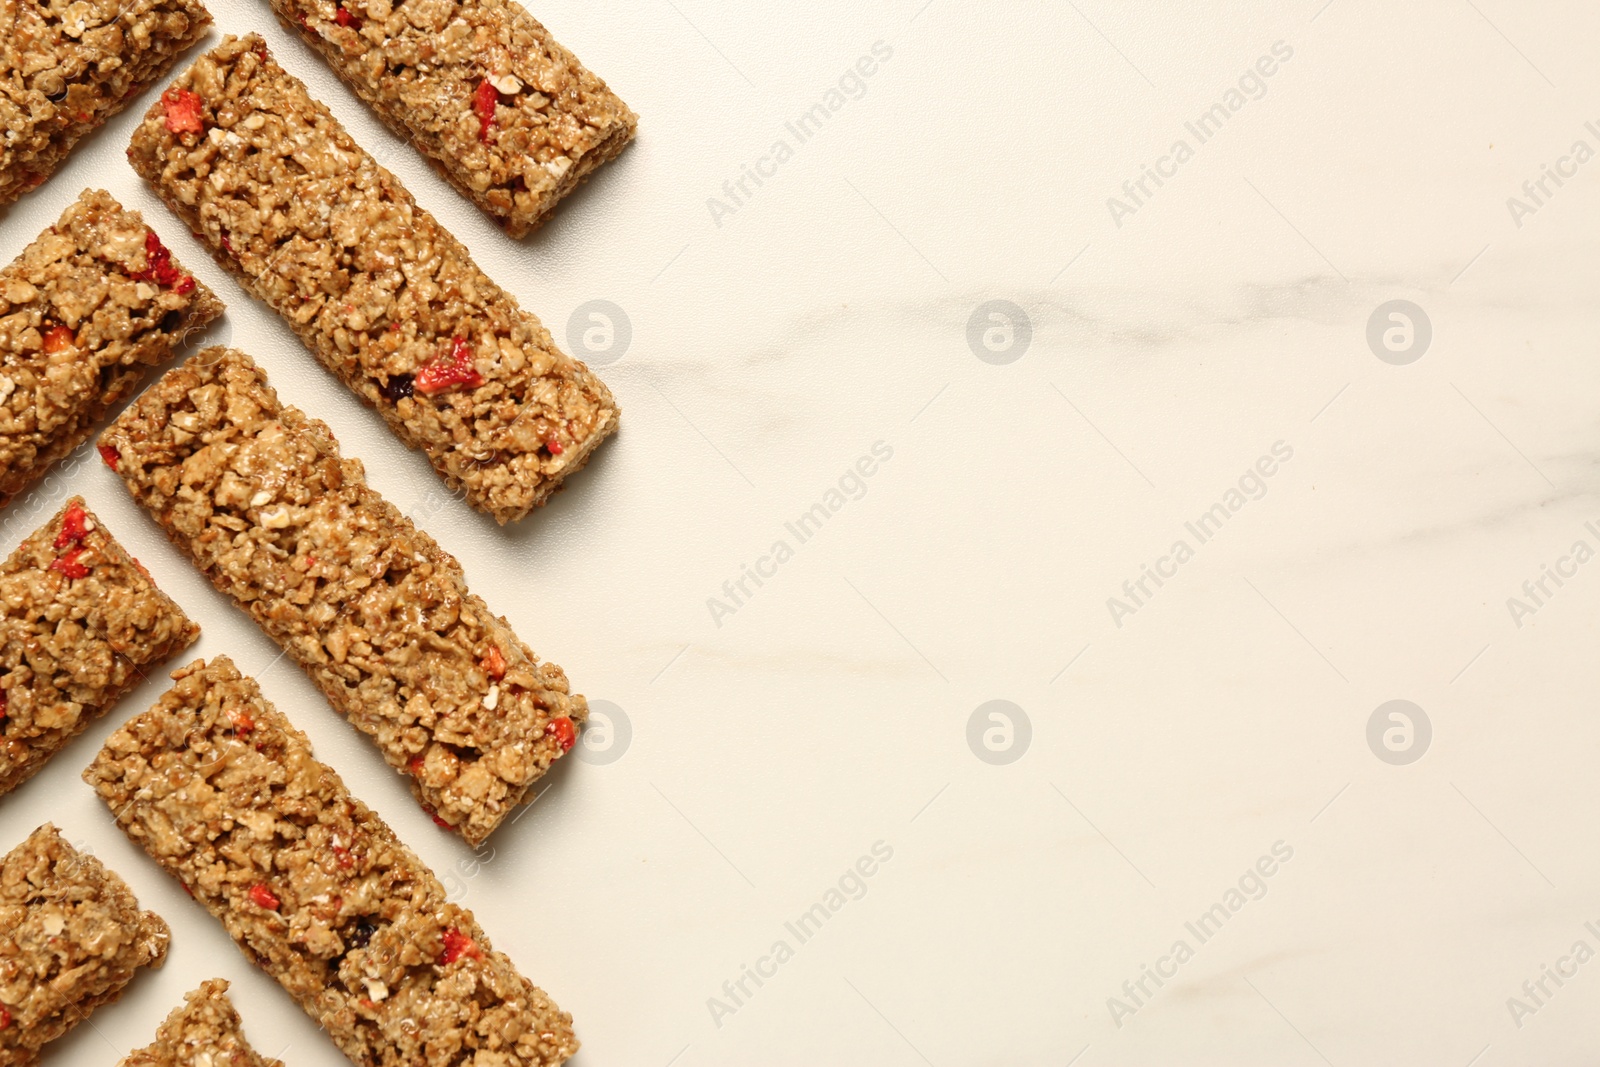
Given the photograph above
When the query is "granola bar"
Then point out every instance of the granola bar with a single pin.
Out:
(222, 791)
(80, 620)
(379, 292)
(204, 1032)
(504, 113)
(84, 311)
(71, 937)
(374, 610)
(67, 67)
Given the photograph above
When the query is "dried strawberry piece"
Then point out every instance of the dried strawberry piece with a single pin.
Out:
(108, 455)
(553, 443)
(447, 372)
(440, 823)
(263, 897)
(343, 857)
(243, 721)
(183, 107)
(74, 527)
(563, 731)
(59, 339)
(5, 1019)
(485, 98)
(415, 764)
(344, 18)
(457, 945)
(494, 663)
(159, 268)
(5, 704)
(69, 565)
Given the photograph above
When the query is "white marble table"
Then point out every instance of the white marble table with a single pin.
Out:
(957, 404)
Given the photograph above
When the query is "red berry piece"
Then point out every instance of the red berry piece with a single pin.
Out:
(183, 108)
(262, 897)
(440, 823)
(59, 339)
(69, 565)
(563, 731)
(5, 703)
(494, 663)
(415, 764)
(344, 18)
(458, 945)
(159, 268)
(448, 372)
(5, 1019)
(553, 443)
(108, 456)
(484, 100)
(243, 721)
(74, 527)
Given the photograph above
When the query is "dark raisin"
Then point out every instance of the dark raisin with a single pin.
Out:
(396, 388)
(360, 934)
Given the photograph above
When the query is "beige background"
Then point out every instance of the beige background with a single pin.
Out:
(1168, 354)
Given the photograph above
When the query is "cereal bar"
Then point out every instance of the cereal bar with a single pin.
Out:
(80, 620)
(380, 293)
(224, 793)
(507, 115)
(84, 311)
(374, 610)
(67, 67)
(205, 1030)
(71, 937)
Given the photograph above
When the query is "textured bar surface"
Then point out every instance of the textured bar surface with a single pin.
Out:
(204, 1032)
(374, 610)
(379, 292)
(504, 113)
(222, 791)
(81, 622)
(71, 937)
(85, 309)
(68, 65)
